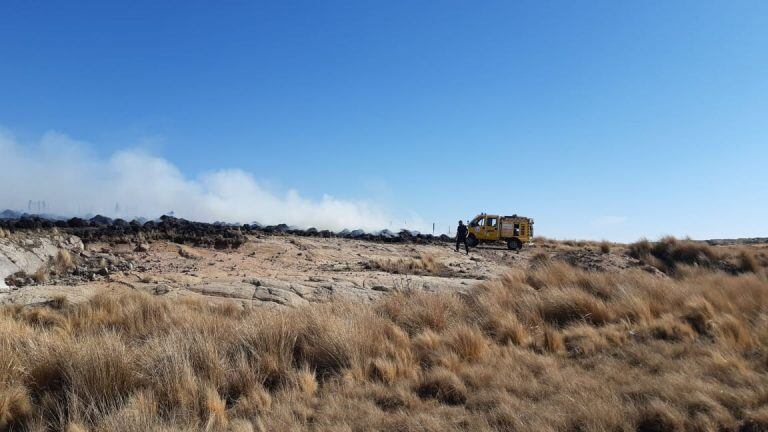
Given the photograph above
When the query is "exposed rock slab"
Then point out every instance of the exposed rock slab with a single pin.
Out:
(235, 290)
(279, 296)
(28, 252)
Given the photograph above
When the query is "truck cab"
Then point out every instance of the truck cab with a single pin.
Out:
(514, 230)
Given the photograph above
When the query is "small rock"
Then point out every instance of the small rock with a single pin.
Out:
(142, 247)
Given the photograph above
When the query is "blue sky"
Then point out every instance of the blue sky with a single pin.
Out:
(599, 119)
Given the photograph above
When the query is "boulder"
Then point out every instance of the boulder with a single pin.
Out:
(76, 222)
(100, 220)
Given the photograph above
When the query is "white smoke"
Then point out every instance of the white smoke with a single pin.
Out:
(71, 181)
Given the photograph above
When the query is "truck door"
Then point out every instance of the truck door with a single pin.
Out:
(491, 228)
(477, 227)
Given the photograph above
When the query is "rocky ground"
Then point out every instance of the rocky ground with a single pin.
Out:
(24, 253)
(267, 270)
(271, 268)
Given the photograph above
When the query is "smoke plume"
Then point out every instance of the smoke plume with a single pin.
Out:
(64, 175)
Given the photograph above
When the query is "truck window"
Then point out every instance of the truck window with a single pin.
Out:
(517, 229)
(476, 222)
(491, 222)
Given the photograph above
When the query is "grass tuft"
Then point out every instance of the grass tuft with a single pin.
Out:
(64, 262)
(443, 385)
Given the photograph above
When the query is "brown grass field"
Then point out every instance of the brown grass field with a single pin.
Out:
(548, 348)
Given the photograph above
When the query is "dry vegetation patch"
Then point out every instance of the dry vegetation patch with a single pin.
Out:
(188, 253)
(555, 348)
(672, 255)
(425, 264)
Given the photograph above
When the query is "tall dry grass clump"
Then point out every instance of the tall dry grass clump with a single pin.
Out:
(748, 262)
(669, 252)
(41, 274)
(554, 348)
(64, 261)
(674, 256)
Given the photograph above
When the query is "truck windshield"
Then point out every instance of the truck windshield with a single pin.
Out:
(476, 222)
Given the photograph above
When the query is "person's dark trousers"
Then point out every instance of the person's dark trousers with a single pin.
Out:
(459, 241)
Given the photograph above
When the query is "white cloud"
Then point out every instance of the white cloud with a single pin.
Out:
(70, 180)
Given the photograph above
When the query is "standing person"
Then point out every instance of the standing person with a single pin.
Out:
(461, 237)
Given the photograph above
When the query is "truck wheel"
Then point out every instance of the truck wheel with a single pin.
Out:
(472, 241)
(514, 244)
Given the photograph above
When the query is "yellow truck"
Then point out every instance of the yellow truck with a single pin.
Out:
(514, 230)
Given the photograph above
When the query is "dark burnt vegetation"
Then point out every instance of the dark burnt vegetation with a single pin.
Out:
(182, 231)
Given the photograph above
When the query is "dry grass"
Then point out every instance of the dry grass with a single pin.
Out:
(63, 262)
(577, 243)
(748, 262)
(425, 264)
(188, 253)
(674, 256)
(41, 274)
(668, 253)
(553, 349)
